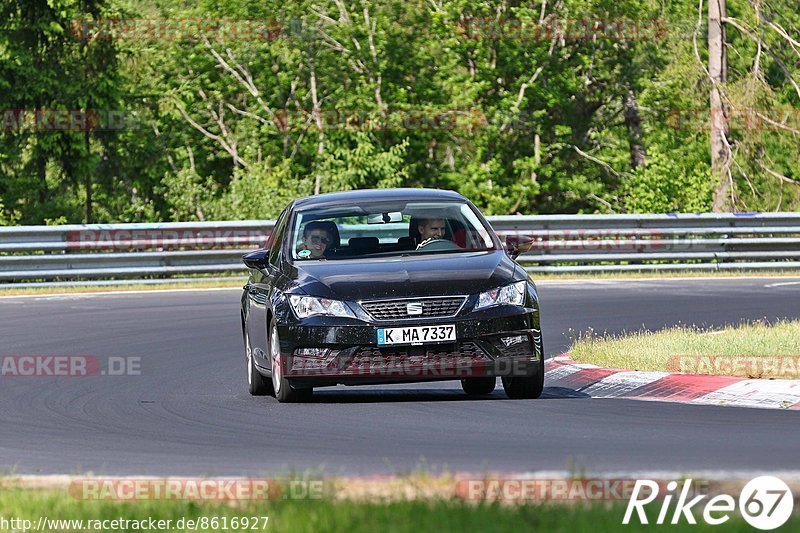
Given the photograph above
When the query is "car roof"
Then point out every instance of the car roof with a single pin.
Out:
(375, 195)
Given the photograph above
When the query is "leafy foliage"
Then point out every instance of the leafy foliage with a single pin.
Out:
(509, 103)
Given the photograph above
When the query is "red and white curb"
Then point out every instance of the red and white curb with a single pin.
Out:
(585, 380)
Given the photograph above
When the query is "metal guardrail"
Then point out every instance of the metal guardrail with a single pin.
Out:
(550, 243)
(596, 243)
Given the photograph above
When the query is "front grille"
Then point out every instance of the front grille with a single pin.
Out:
(453, 360)
(431, 308)
(465, 349)
(369, 359)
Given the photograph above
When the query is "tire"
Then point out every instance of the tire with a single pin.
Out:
(284, 392)
(257, 385)
(526, 387)
(477, 386)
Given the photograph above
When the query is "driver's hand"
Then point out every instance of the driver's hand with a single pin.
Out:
(426, 241)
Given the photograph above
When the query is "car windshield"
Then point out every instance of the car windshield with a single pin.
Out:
(387, 229)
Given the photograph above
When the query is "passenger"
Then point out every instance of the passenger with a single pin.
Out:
(316, 239)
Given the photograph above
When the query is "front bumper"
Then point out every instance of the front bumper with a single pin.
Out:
(495, 342)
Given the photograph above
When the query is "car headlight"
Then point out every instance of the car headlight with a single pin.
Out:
(306, 306)
(513, 294)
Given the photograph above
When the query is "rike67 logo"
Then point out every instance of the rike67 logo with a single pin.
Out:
(765, 502)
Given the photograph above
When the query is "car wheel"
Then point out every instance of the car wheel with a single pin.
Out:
(526, 387)
(475, 386)
(283, 389)
(257, 384)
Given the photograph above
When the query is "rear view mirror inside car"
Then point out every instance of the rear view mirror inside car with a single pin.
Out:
(385, 218)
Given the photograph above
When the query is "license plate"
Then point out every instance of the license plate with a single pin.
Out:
(416, 335)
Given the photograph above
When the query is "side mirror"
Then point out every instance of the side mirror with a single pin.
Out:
(512, 248)
(256, 259)
(515, 245)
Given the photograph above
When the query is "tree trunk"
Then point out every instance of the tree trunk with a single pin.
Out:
(320, 135)
(634, 125)
(88, 177)
(717, 69)
(317, 115)
(41, 172)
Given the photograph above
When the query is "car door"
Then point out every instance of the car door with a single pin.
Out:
(260, 288)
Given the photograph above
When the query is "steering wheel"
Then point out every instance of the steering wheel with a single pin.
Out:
(435, 245)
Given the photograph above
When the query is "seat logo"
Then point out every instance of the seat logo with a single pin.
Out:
(414, 308)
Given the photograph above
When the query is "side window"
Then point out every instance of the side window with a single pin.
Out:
(276, 239)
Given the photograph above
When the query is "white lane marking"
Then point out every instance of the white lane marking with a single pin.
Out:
(710, 475)
(772, 393)
(622, 383)
(560, 372)
(770, 285)
(726, 476)
(76, 295)
(585, 366)
(769, 394)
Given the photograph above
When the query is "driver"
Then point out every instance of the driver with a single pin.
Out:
(430, 229)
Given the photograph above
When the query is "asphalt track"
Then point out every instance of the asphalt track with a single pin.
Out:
(188, 412)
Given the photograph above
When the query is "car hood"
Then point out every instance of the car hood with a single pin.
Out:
(404, 277)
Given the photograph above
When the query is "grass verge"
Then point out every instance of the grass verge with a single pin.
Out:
(664, 274)
(328, 515)
(756, 350)
(79, 289)
(537, 277)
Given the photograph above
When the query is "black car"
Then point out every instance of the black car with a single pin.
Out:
(388, 286)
